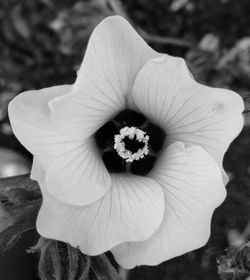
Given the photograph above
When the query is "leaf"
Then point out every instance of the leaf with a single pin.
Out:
(58, 258)
(22, 182)
(20, 25)
(103, 269)
(20, 201)
(235, 265)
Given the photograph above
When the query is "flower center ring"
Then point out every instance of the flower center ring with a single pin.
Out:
(127, 137)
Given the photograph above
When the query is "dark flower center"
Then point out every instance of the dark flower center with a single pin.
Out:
(133, 145)
(143, 152)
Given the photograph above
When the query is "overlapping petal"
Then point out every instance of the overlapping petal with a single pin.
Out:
(29, 117)
(74, 172)
(193, 188)
(189, 112)
(114, 55)
(130, 211)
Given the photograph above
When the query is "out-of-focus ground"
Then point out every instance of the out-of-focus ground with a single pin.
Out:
(42, 43)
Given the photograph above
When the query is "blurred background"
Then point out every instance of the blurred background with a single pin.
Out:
(42, 43)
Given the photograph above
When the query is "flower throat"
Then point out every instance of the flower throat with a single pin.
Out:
(129, 143)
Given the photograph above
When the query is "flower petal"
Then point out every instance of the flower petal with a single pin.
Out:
(114, 55)
(37, 173)
(131, 211)
(29, 117)
(193, 188)
(189, 112)
(77, 174)
(74, 172)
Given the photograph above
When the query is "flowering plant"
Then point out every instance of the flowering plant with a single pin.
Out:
(129, 157)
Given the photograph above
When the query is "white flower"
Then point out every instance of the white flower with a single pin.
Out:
(164, 208)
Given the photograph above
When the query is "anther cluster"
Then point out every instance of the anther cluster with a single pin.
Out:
(129, 143)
